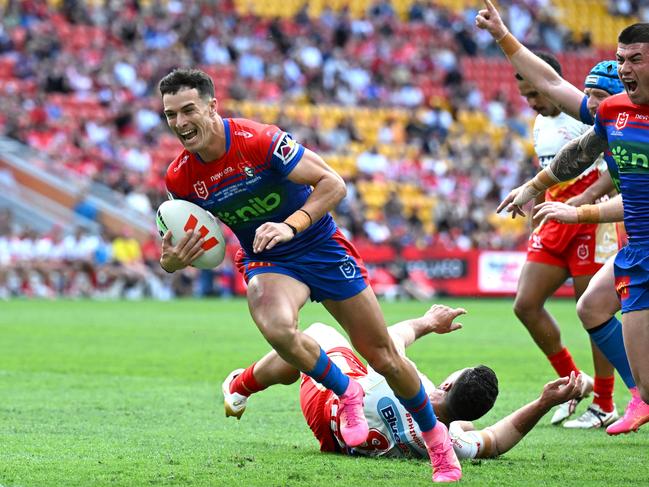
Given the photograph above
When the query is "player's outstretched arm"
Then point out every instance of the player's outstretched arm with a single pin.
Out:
(573, 159)
(529, 66)
(438, 319)
(506, 433)
(604, 212)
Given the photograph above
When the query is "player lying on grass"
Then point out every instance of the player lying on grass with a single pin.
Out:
(465, 395)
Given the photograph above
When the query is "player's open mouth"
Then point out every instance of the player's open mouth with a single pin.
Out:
(631, 86)
(188, 135)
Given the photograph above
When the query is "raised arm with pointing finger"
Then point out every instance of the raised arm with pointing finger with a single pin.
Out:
(529, 66)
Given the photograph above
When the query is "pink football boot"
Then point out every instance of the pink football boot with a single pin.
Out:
(446, 467)
(353, 425)
(636, 414)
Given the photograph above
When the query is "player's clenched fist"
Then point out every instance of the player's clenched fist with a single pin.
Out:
(270, 234)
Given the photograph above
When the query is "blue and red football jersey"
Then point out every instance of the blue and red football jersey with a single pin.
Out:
(626, 127)
(249, 185)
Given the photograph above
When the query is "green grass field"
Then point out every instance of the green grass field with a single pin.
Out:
(128, 393)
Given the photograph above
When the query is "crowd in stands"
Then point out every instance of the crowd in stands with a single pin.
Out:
(426, 154)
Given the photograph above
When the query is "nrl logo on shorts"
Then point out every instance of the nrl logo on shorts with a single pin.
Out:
(201, 190)
(347, 268)
(621, 121)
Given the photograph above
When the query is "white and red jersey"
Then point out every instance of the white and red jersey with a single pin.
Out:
(393, 431)
(550, 135)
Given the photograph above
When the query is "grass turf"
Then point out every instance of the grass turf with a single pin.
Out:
(128, 393)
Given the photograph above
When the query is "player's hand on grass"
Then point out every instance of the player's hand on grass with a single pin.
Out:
(270, 234)
(555, 210)
(439, 319)
(517, 198)
(178, 257)
(561, 390)
(489, 20)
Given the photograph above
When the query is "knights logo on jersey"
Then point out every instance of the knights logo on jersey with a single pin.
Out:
(621, 121)
(247, 171)
(201, 190)
(286, 149)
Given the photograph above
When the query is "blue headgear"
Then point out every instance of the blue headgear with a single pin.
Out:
(604, 77)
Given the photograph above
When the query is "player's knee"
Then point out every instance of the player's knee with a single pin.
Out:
(584, 310)
(524, 309)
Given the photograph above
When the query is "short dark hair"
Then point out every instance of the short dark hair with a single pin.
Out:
(473, 394)
(548, 58)
(187, 78)
(634, 33)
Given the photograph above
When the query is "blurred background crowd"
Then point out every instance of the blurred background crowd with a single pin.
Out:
(415, 107)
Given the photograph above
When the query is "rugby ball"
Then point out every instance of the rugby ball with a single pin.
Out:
(181, 216)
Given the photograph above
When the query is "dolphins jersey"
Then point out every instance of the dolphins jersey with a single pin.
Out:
(248, 185)
(393, 430)
(550, 135)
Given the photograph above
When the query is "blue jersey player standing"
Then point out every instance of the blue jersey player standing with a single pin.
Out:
(276, 195)
(621, 125)
(600, 302)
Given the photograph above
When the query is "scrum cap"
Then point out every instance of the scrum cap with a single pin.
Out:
(604, 77)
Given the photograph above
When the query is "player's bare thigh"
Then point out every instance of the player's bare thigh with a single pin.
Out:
(272, 295)
(538, 282)
(362, 318)
(600, 301)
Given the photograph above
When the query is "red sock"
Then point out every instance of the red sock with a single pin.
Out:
(245, 383)
(563, 363)
(603, 393)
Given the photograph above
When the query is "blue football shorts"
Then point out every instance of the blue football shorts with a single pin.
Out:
(632, 277)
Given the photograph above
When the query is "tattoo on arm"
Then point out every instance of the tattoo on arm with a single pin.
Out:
(577, 155)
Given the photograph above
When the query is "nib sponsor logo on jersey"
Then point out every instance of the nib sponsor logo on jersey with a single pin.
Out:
(627, 159)
(255, 208)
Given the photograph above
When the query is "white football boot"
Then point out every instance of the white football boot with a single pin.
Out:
(234, 403)
(567, 409)
(593, 417)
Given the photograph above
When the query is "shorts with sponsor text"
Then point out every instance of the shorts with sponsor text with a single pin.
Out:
(333, 270)
(318, 403)
(632, 277)
(571, 246)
